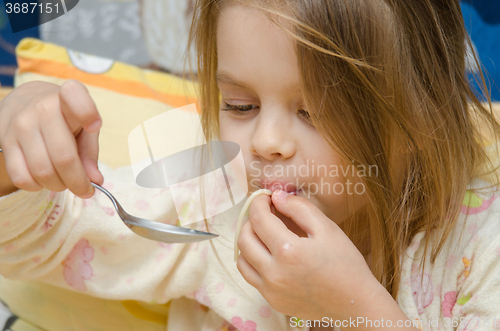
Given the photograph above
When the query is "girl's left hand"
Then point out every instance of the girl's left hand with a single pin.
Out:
(321, 275)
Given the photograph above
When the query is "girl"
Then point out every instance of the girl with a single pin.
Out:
(383, 84)
(337, 88)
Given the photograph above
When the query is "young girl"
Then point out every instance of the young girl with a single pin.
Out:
(358, 110)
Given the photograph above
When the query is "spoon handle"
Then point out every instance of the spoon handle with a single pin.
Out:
(117, 206)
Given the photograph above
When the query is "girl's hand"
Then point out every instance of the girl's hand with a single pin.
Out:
(49, 136)
(321, 275)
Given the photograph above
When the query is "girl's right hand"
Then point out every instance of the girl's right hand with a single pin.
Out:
(49, 136)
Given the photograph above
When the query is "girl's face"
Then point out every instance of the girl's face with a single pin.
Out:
(263, 110)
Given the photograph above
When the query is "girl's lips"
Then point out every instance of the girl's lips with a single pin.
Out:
(280, 184)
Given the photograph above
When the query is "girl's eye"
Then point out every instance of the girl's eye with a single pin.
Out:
(238, 108)
(304, 113)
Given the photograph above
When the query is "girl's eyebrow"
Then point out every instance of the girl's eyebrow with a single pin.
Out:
(224, 78)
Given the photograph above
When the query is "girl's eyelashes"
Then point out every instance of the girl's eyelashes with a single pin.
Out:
(238, 108)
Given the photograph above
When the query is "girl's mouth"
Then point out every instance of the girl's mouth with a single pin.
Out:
(280, 185)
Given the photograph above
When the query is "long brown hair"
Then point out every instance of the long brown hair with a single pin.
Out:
(385, 84)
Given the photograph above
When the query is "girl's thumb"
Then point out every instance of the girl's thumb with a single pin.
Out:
(88, 149)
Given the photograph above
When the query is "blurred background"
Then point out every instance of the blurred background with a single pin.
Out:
(153, 34)
(147, 33)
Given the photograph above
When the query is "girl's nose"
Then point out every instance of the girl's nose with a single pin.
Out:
(273, 138)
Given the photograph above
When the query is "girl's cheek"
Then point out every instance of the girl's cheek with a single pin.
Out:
(224, 128)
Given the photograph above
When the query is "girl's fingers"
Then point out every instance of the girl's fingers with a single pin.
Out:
(88, 149)
(78, 107)
(249, 273)
(39, 163)
(18, 170)
(252, 248)
(44, 126)
(63, 153)
(302, 211)
(267, 226)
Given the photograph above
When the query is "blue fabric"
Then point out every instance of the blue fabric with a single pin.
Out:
(8, 42)
(482, 21)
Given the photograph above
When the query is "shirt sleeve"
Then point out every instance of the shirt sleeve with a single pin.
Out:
(82, 245)
(476, 304)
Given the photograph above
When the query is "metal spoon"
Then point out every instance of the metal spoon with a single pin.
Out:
(166, 233)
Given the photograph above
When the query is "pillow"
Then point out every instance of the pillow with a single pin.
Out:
(125, 95)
